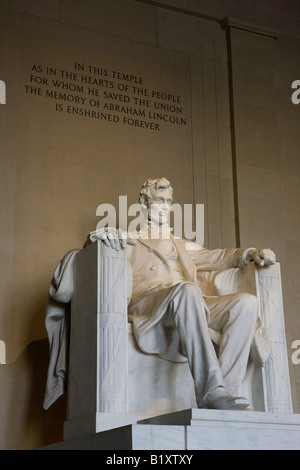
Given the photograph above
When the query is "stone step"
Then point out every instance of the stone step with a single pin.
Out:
(196, 429)
(196, 416)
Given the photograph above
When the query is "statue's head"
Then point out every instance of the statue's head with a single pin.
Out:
(156, 195)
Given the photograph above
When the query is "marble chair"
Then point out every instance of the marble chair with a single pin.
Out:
(112, 383)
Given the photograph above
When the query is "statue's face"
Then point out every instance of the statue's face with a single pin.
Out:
(159, 205)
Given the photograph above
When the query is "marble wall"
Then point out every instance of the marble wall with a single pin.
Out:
(235, 150)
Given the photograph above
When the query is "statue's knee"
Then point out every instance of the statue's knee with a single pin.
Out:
(191, 289)
(190, 296)
(249, 303)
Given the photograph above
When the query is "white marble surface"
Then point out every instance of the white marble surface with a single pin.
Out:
(198, 417)
(196, 429)
(239, 437)
(215, 429)
(99, 422)
(231, 430)
(155, 385)
(158, 437)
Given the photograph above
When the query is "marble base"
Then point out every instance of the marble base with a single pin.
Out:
(235, 430)
(98, 423)
(196, 429)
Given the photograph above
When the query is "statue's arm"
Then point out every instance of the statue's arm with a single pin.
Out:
(226, 258)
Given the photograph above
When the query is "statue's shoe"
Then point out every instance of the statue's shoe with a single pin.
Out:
(221, 400)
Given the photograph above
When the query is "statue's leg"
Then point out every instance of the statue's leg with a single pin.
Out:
(235, 316)
(188, 312)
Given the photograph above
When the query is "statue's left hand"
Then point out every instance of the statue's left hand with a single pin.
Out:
(264, 257)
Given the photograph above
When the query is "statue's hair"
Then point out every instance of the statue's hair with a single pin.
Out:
(158, 183)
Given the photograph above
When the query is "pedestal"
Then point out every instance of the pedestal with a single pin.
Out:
(196, 429)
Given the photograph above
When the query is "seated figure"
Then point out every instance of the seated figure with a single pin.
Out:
(169, 313)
